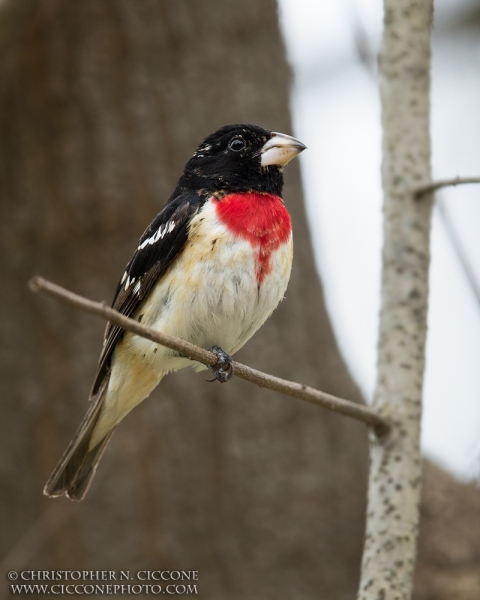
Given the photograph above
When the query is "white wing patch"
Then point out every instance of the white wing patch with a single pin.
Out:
(158, 235)
(129, 282)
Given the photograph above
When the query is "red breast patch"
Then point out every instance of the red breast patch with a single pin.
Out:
(261, 219)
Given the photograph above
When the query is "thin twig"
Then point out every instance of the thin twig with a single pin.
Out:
(436, 185)
(297, 390)
(450, 229)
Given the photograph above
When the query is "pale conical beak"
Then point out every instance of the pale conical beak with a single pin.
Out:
(280, 149)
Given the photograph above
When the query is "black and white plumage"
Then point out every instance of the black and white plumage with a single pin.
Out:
(159, 245)
(210, 268)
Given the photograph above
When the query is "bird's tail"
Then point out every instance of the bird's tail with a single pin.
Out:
(75, 470)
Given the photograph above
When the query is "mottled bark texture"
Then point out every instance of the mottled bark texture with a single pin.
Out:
(449, 544)
(396, 470)
(101, 104)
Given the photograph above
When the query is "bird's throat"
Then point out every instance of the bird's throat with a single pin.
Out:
(261, 219)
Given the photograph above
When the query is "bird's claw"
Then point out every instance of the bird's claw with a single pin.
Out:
(223, 369)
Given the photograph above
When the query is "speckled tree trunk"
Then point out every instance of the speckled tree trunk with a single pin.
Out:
(396, 467)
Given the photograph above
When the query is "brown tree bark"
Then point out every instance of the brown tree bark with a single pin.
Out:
(449, 544)
(101, 104)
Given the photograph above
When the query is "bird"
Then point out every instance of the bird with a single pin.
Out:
(210, 268)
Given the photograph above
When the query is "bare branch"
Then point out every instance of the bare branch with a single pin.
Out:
(436, 185)
(297, 390)
(450, 229)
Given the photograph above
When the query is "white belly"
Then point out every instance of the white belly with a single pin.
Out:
(211, 295)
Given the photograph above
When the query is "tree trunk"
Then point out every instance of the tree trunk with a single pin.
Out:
(395, 471)
(449, 544)
(101, 104)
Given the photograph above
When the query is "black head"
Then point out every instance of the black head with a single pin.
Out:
(240, 158)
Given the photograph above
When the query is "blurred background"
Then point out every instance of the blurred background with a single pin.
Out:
(332, 47)
(101, 104)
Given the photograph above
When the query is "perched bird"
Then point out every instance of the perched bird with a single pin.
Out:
(210, 268)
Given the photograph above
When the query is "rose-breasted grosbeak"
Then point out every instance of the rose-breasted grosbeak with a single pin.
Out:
(210, 268)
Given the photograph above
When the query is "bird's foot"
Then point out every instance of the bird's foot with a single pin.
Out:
(223, 369)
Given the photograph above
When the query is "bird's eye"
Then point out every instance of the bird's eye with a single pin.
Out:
(237, 144)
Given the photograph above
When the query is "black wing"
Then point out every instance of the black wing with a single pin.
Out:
(161, 243)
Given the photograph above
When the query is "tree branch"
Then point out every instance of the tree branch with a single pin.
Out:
(297, 390)
(436, 185)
